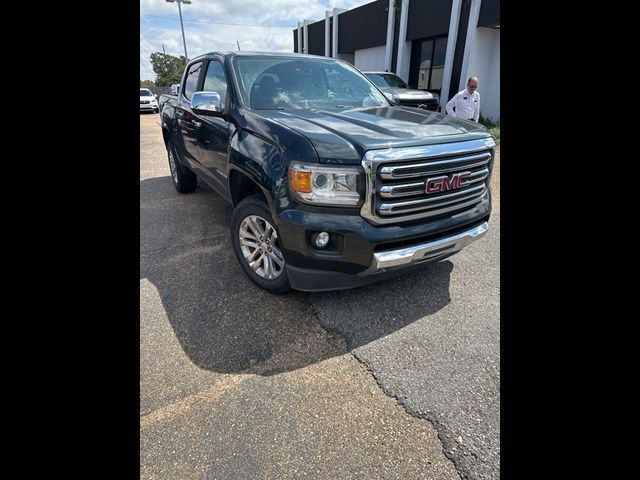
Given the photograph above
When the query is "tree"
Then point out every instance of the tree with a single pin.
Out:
(168, 69)
(147, 83)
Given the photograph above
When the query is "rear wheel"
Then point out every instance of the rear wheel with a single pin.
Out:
(257, 245)
(184, 179)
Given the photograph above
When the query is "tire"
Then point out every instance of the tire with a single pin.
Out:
(184, 179)
(250, 218)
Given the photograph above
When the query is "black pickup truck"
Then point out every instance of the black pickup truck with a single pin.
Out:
(331, 184)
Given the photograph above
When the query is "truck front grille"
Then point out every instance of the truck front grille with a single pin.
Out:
(431, 104)
(396, 180)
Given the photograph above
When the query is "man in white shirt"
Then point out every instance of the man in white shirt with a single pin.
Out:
(466, 102)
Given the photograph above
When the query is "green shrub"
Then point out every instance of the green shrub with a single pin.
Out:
(494, 128)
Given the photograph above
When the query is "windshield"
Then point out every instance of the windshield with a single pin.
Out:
(386, 80)
(146, 93)
(285, 83)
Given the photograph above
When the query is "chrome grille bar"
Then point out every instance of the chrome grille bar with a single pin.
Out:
(407, 189)
(437, 166)
(431, 203)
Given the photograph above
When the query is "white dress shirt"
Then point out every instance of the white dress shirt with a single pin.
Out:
(467, 105)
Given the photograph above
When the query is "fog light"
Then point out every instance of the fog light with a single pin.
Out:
(321, 240)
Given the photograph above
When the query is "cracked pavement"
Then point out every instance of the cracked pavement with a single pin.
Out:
(399, 379)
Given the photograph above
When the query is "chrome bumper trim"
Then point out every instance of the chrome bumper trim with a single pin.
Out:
(424, 251)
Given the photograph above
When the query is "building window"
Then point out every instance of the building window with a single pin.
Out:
(427, 63)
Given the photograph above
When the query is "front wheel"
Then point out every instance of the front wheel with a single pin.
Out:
(257, 245)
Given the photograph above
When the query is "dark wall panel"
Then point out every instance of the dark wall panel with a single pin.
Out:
(316, 38)
(295, 40)
(363, 27)
(428, 18)
(489, 13)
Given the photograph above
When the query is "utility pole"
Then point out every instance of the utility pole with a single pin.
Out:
(184, 42)
(238, 45)
(165, 58)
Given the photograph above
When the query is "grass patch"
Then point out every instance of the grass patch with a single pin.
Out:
(494, 128)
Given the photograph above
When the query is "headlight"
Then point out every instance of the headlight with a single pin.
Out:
(324, 185)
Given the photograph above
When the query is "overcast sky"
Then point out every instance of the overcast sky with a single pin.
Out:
(209, 25)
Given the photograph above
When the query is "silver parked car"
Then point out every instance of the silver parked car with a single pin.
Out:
(399, 92)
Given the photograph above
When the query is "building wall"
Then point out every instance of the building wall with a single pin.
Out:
(428, 18)
(362, 38)
(484, 63)
(370, 58)
(316, 38)
(403, 69)
(363, 27)
(347, 57)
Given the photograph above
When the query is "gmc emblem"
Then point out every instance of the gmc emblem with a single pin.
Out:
(444, 183)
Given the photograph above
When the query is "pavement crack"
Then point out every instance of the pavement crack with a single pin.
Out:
(447, 443)
(181, 407)
(180, 244)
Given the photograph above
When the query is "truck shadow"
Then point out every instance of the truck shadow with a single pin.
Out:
(226, 324)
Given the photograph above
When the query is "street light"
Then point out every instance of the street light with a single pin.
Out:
(186, 2)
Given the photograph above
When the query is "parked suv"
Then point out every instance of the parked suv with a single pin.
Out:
(332, 185)
(148, 100)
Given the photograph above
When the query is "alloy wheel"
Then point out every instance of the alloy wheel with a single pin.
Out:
(260, 247)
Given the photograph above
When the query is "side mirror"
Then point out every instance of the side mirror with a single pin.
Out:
(207, 103)
(389, 97)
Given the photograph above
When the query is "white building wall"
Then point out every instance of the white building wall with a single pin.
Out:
(404, 48)
(404, 63)
(371, 58)
(484, 63)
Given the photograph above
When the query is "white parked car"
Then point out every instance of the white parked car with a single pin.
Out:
(399, 92)
(148, 100)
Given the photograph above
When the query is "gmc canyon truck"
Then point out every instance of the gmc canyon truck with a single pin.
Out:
(332, 185)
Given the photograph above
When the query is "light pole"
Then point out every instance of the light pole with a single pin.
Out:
(186, 2)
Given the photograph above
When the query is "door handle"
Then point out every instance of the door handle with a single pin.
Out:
(197, 124)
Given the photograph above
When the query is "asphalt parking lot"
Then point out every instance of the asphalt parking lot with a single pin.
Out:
(397, 380)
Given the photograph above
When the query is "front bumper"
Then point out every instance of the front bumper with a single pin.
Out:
(385, 264)
(148, 106)
(364, 253)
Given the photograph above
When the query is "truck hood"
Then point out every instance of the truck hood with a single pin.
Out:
(345, 136)
(409, 94)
